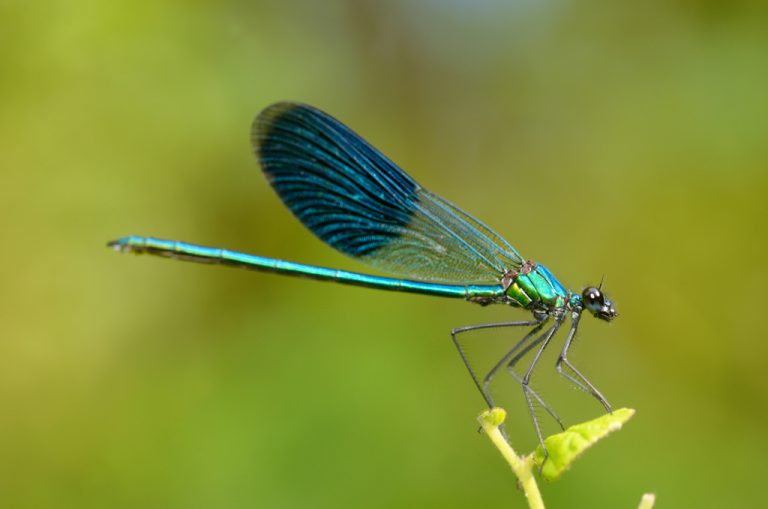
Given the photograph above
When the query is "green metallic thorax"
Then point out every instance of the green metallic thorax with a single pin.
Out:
(535, 286)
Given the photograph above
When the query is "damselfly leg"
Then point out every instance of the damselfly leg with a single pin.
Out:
(468, 328)
(582, 381)
(511, 361)
(544, 339)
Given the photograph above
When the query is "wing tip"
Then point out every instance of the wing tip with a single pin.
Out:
(266, 120)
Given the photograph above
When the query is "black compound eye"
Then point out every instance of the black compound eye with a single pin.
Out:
(592, 296)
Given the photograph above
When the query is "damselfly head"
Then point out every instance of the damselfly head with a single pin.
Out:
(599, 304)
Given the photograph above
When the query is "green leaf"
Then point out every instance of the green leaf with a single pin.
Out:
(565, 447)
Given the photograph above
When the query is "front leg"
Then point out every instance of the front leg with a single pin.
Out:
(582, 381)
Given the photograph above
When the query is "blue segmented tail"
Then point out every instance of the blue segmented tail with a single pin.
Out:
(202, 254)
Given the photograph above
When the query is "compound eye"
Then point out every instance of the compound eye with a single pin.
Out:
(592, 297)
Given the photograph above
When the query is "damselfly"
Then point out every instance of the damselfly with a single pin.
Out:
(359, 202)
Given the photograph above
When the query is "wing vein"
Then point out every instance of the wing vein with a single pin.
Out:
(360, 203)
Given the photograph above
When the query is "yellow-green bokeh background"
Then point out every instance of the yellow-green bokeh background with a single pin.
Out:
(598, 137)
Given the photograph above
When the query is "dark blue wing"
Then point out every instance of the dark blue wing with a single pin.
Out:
(359, 202)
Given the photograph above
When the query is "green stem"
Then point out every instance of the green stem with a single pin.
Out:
(490, 420)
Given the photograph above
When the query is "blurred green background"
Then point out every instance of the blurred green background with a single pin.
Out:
(598, 137)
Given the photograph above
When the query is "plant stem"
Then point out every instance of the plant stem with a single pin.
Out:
(490, 420)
